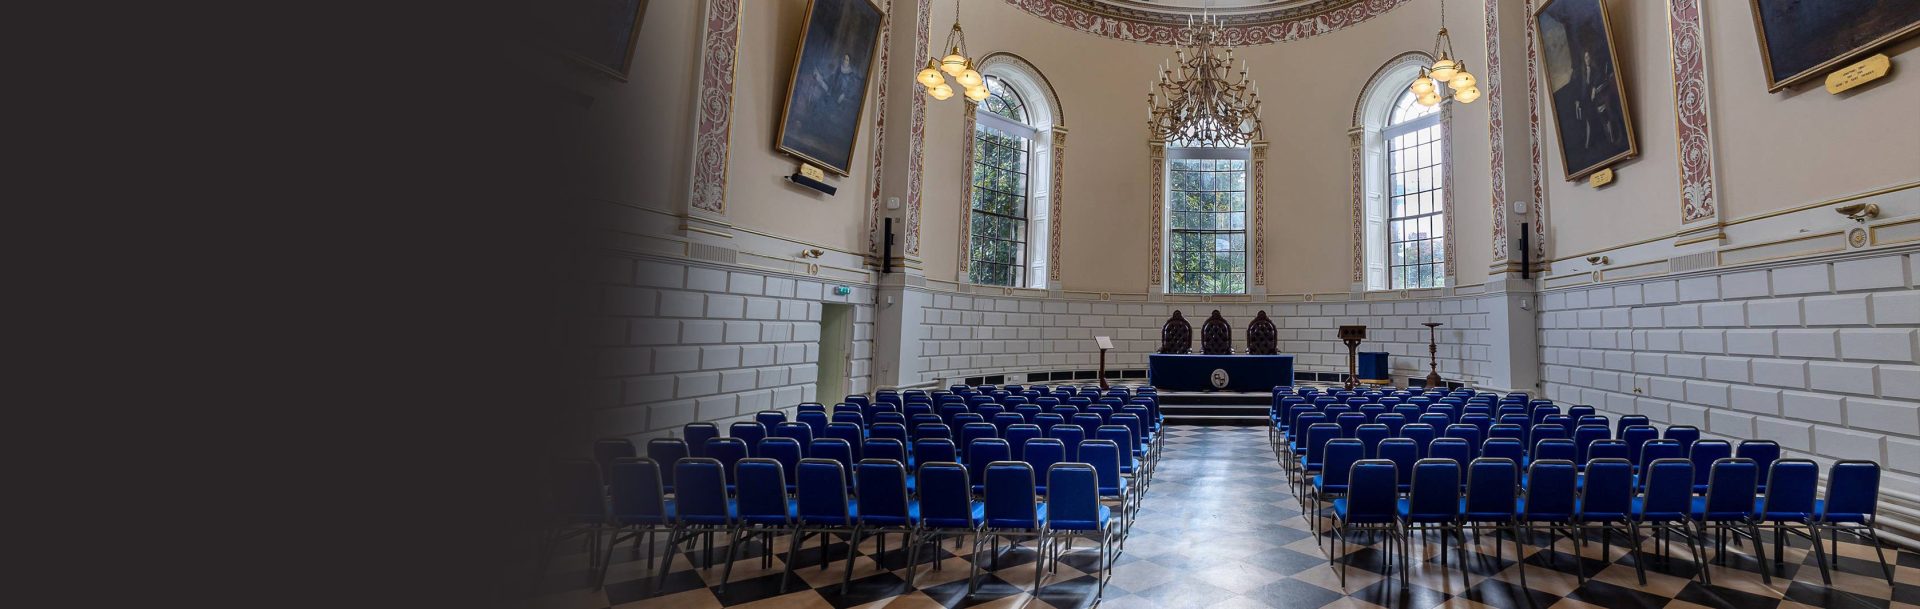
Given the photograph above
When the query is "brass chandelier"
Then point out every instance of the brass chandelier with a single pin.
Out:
(1445, 72)
(1197, 101)
(955, 64)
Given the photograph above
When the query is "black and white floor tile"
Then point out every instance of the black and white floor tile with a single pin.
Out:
(1221, 528)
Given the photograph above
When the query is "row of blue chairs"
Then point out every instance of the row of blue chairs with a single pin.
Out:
(1607, 496)
(875, 497)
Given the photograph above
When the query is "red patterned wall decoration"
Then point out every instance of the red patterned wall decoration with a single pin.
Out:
(1539, 218)
(967, 122)
(713, 119)
(1157, 169)
(1248, 27)
(1496, 129)
(916, 148)
(880, 131)
(1357, 139)
(1059, 185)
(1259, 213)
(1698, 201)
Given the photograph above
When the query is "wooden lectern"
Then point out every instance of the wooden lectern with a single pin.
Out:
(1352, 335)
(1104, 343)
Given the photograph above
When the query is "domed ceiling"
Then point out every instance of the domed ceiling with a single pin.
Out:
(1247, 22)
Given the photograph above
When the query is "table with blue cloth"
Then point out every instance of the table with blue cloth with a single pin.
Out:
(1189, 372)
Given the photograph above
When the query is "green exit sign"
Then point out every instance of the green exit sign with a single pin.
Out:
(841, 290)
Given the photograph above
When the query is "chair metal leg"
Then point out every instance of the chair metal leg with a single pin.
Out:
(1759, 552)
(1875, 536)
(1639, 559)
(673, 539)
(973, 562)
(1819, 555)
(1040, 548)
(852, 544)
(733, 548)
(914, 541)
(793, 551)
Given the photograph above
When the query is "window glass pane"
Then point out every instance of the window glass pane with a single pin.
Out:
(1207, 221)
(1415, 220)
(998, 227)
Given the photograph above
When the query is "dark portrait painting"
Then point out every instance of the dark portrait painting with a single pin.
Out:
(1584, 86)
(828, 88)
(599, 33)
(1804, 39)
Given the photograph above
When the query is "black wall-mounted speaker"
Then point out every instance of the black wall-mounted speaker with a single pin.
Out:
(803, 180)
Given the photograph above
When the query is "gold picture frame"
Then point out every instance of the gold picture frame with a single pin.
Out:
(1632, 148)
(1776, 84)
(815, 147)
(566, 37)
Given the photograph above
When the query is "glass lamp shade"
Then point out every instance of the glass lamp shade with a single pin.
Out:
(941, 91)
(1443, 70)
(978, 93)
(969, 78)
(931, 75)
(1467, 95)
(1462, 80)
(1429, 98)
(954, 63)
(1422, 85)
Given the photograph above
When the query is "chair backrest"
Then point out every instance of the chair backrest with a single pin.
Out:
(1490, 486)
(1791, 490)
(976, 431)
(1608, 488)
(605, 450)
(1042, 453)
(1087, 420)
(822, 495)
(787, 452)
(1437, 420)
(1317, 437)
(1636, 436)
(1730, 488)
(1342, 453)
(850, 416)
(700, 491)
(1435, 491)
(1704, 454)
(946, 495)
(1104, 456)
(796, 430)
(1853, 487)
(1504, 448)
(1579, 411)
(984, 452)
(1763, 453)
(1422, 435)
(1555, 448)
(817, 420)
(1373, 490)
(1466, 432)
(1550, 489)
(835, 449)
(928, 450)
(635, 489)
(1545, 431)
(883, 449)
(1595, 419)
(1047, 420)
(890, 431)
(1686, 435)
(881, 490)
(1132, 422)
(1583, 436)
(761, 491)
(1453, 449)
(932, 430)
(1654, 450)
(1608, 449)
(1069, 435)
(770, 418)
(1393, 420)
(1073, 497)
(1668, 486)
(667, 452)
(727, 451)
(918, 408)
(1370, 436)
(1349, 423)
(1298, 431)
(1404, 453)
(1630, 420)
(1505, 430)
(967, 418)
(697, 433)
(751, 432)
(1010, 489)
(1018, 435)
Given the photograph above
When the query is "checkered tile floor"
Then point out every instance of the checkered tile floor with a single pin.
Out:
(1221, 529)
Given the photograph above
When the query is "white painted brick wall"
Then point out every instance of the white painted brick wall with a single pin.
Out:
(1823, 358)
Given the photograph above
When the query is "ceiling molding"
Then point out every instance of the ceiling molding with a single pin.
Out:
(1122, 20)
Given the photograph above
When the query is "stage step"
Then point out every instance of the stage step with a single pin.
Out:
(1214, 408)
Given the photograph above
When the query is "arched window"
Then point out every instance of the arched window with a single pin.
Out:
(1401, 203)
(1003, 175)
(1416, 235)
(1011, 163)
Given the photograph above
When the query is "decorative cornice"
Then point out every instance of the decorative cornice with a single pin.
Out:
(1251, 27)
(713, 119)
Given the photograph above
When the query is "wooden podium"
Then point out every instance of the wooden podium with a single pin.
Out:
(1352, 335)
